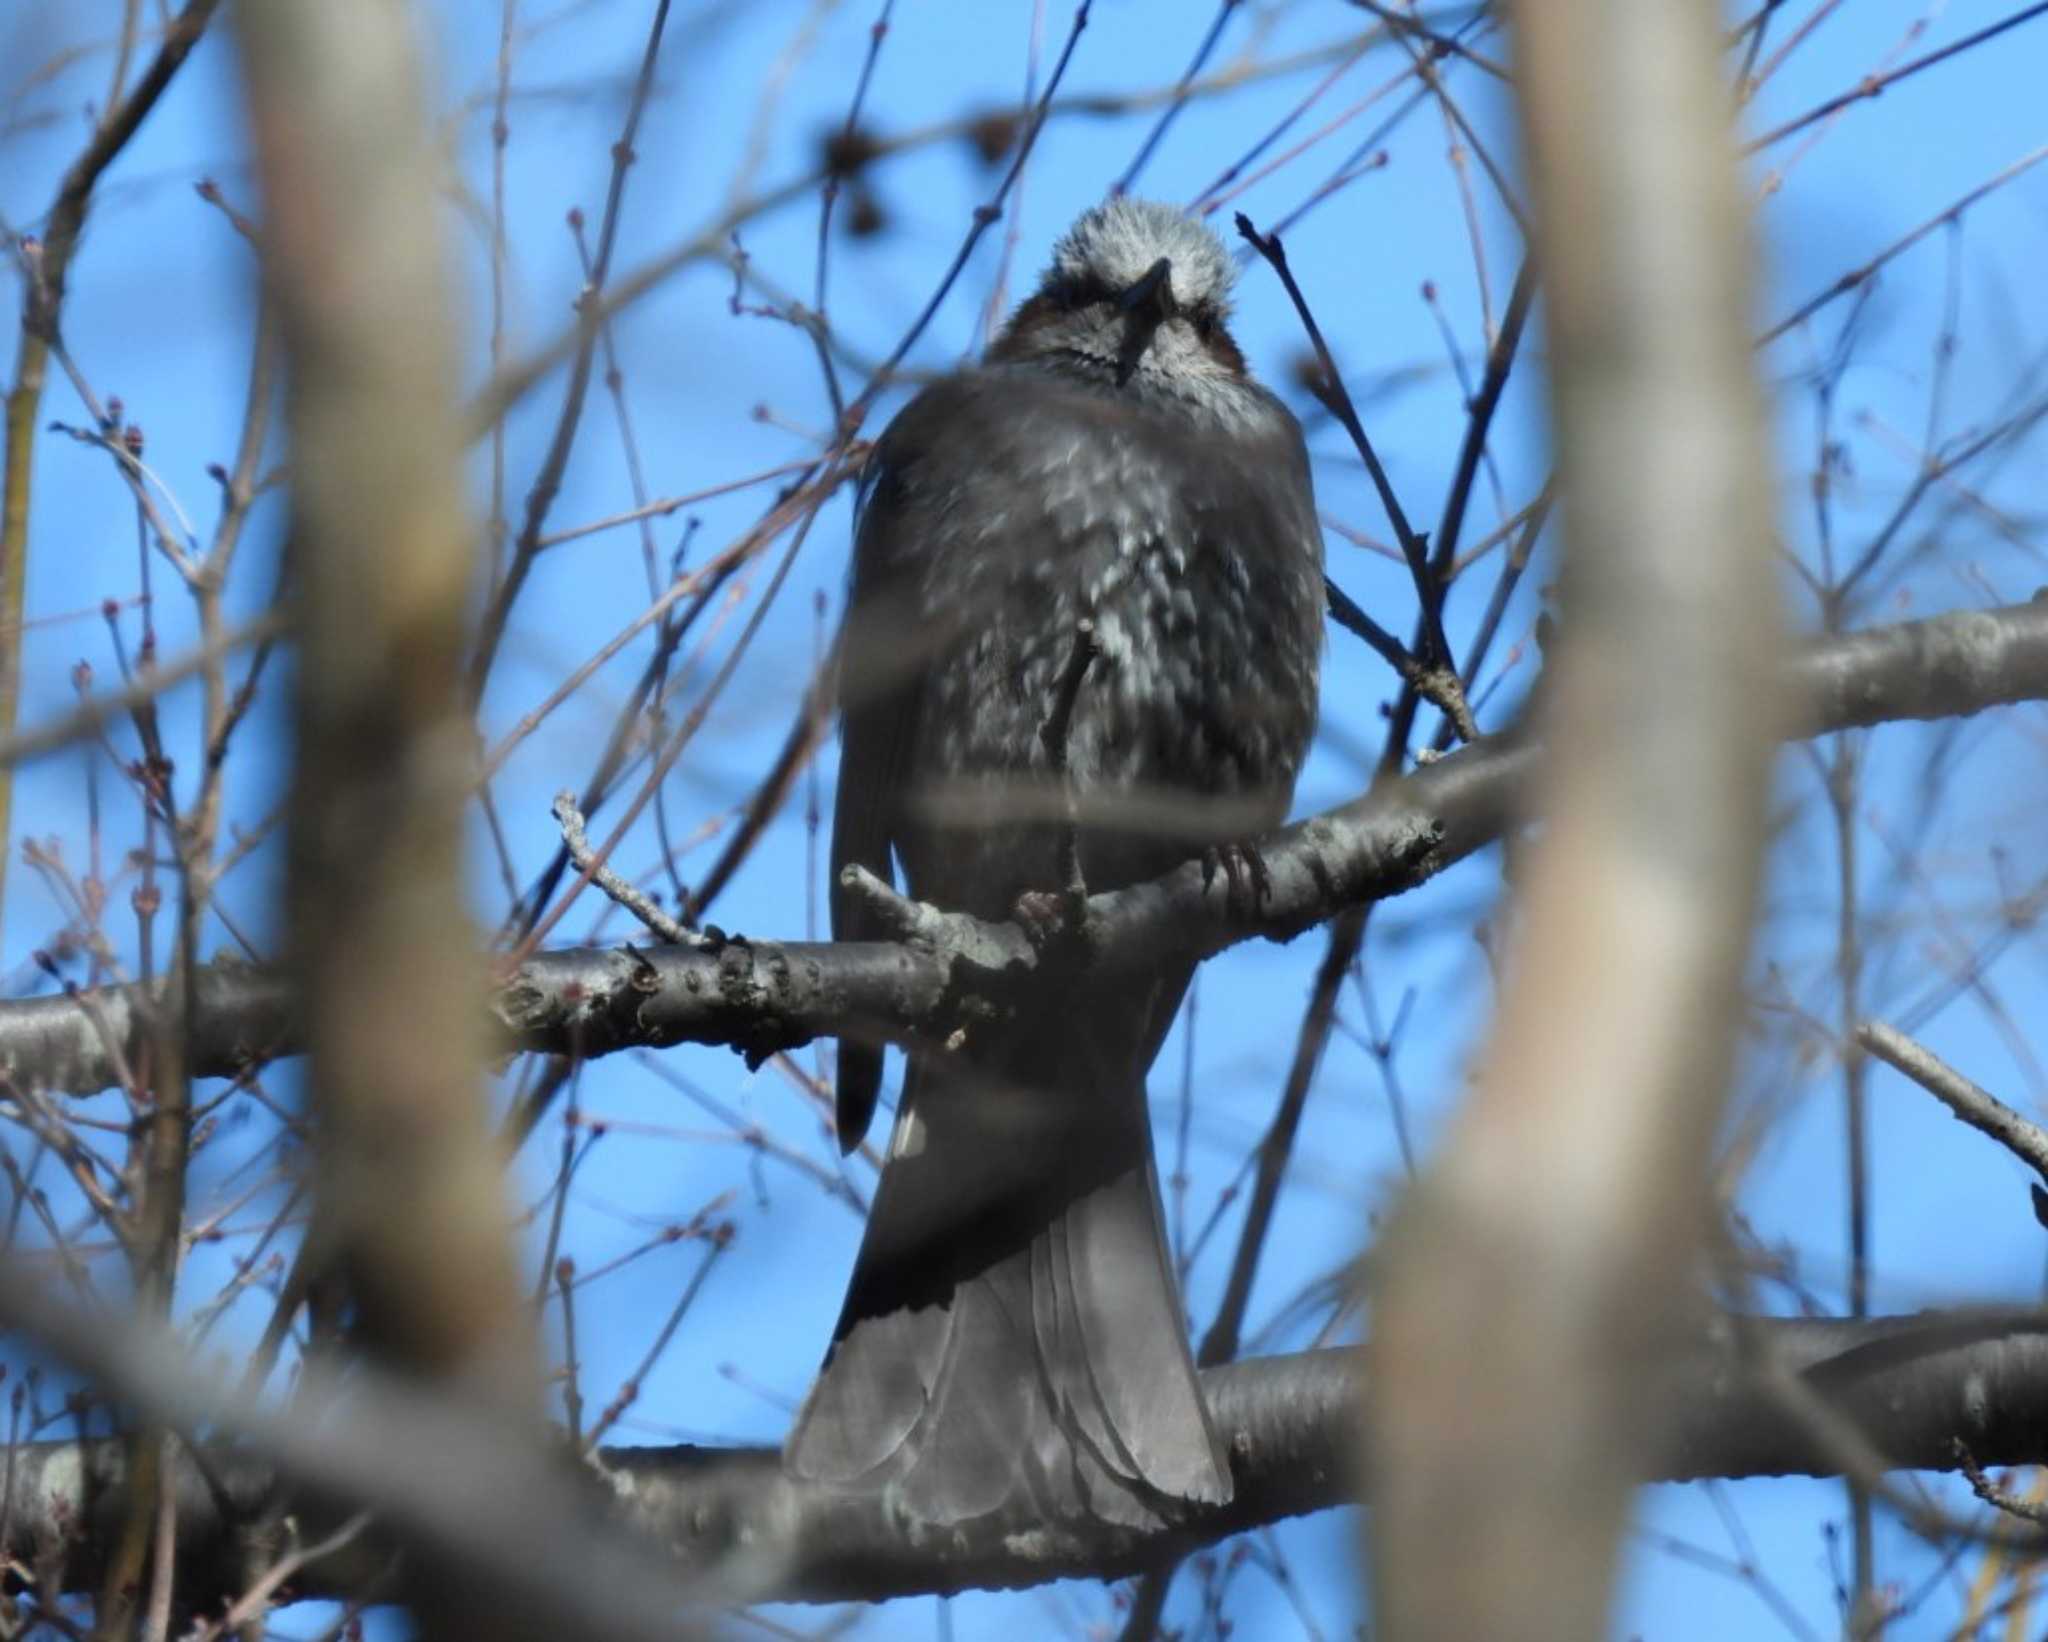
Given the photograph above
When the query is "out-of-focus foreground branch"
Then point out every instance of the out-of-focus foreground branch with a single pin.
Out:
(384, 954)
(410, 1214)
(1529, 1286)
(740, 1529)
(765, 996)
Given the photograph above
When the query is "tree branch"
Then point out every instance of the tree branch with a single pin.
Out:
(760, 997)
(730, 1520)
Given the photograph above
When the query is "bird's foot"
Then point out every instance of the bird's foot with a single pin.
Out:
(1247, 880)
(1044, 915)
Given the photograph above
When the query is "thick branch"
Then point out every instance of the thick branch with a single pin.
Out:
(760, 997)
(729, 1517)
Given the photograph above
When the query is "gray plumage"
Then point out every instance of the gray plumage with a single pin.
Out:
(1012, 1342)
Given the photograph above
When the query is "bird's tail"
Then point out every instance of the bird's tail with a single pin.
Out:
(1013, 1340)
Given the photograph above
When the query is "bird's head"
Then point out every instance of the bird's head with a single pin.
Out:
(1137, 295)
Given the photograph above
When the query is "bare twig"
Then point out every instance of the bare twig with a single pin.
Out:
(1171, 112)
(48, 264)
(828, 197)
(1440, 686)
(1997, 1498)
(548, 480)
(1878, 83)
(1979, 1108)
(984, 214)
(1859, 277)
(1348, 614)
(149, 683)
(255, 1601)
(713, 240)
(570, 819)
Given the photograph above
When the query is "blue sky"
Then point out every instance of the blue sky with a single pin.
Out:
(159, 313)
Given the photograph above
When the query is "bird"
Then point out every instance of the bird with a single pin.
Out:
(1013, 1346)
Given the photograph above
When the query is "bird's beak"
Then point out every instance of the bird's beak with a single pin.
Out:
(1147, 303)
(1152, 296)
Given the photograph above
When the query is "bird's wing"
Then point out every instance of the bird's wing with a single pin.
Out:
(877, 704)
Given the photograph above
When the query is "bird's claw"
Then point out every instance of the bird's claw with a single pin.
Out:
(1247, 880)
(1042, 914)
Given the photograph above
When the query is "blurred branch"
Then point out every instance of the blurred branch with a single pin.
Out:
(732, 1520)
(409, 1206)
(1856, 278)
(1536, 1274)
(763, 996)
(436, 1470)
(150, 681)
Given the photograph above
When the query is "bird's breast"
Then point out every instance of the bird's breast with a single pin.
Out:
(1196, 565)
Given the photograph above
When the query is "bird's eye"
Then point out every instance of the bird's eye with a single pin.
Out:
(1204, 321)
